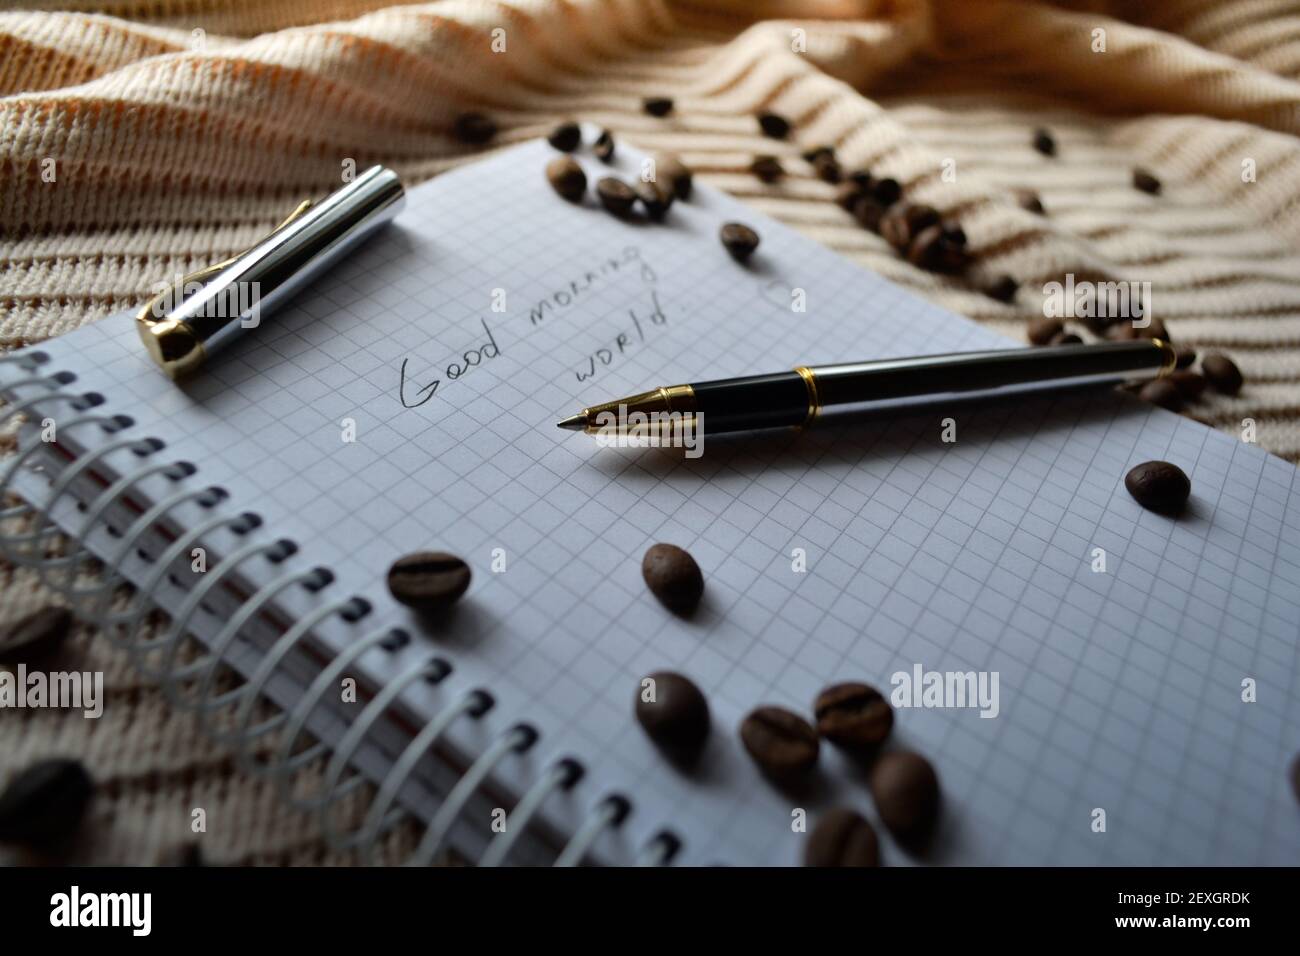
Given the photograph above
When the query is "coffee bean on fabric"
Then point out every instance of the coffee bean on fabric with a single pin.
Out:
(783, 744)
(774, 125)
(1030, 201)
(1159, 486)
(1185, 356)
(739, 240)
(886, 191)
(931, 249)
(846, 194)
(673, 577)
(1042, 331)
(566, 177)
(954, 233)
(428, 580)
(868, 213)
(1044, 142)
(905, 221)
(1222, 373)
(842, 837)
(36, 637)
(672, 172)
(44, 804)
(1191, 384)
(474, 128)
(768, 169)
(1145, 181)
(906, 791)
(853, 716)
(566, 137)
(1162, 392)
(863, 179)
(677, 718)
(812, 155)
(1003, 289)
(616, 196)
(828, 170)
(603, 147)
(653, 198)
(657, 105)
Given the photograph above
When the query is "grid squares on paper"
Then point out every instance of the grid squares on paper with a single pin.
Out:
(1119, 690)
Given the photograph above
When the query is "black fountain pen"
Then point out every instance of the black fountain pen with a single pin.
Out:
(798, 397)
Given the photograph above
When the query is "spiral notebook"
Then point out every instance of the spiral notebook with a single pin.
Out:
(408, 401)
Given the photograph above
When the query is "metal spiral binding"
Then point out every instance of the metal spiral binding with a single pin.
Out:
(94, 602)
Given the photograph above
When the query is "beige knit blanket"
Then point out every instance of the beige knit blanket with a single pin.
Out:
(139, 140)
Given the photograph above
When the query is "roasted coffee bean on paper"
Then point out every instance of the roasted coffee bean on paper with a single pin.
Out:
(673, 577)
(677, 719)
(566, 177)
(428, 580)
(616, 196)
(906, 792)
(739, 240)
(853, 716)
(1159, 486)
(782, 743)
(842, 837)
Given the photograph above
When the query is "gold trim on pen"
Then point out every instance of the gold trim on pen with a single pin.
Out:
(814, 397)
(1170, 357)
(172, 344)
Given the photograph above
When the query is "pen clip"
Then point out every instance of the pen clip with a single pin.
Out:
(172, 344)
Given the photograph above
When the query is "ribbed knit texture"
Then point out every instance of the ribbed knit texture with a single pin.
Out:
(174, 148)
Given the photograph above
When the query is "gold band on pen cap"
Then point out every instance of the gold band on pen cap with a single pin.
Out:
(814, 397)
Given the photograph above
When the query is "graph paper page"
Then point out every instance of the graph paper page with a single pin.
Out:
(408, 401)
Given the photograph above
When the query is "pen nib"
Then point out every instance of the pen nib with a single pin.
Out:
(574, 423)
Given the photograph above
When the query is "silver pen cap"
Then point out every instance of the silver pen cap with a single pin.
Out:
(188, 321)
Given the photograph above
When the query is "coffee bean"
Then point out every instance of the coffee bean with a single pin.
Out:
(931, 250)
(1030, 201)
(474, 128)
(657, 105)
(1162, 392)
(677, 719)
(1066, 338)
(853, 716)
(1185, 356)
(811, 156)
(863, 179)
(428, 580)
(670, 170)
(1003, 289)
(868, 213)
(782, 743)
(567, 178)
(1222, 373)
(36, 637)
(1042, 331)
(773, 125)
(828, 169)
(1124, 331)
(905, 221)
(906, 792)
(767, 168)
(654, 200)
(842, 837)
(616, 196)
(1191, 384)
(739, 239)
(1044, 142)
(846, 194)
(603, 147)
(1159, 486)
(887, 191)
(566, 137)
(673, 577)
(44, 804)
(954, 233)
(1146, 182)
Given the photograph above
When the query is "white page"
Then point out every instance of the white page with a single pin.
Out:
(1118, 690)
